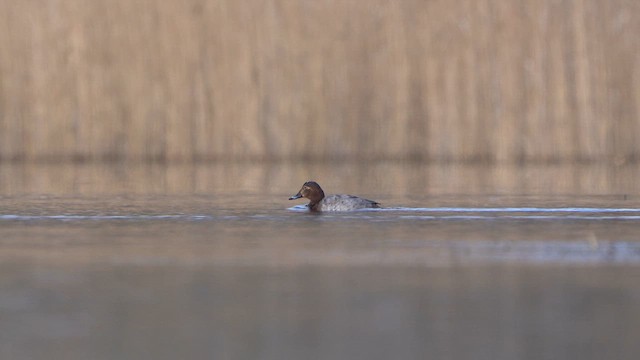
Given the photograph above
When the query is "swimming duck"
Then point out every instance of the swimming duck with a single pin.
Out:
(319, 202)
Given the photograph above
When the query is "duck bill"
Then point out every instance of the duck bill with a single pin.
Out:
(296, 196)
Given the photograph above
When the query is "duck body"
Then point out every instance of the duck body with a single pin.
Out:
(340, 202)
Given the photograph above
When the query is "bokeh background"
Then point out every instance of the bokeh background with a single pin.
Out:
(486, 81)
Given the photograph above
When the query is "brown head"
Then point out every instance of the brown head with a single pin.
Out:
(310, 190)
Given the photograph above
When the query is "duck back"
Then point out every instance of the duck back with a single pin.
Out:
(342, 202)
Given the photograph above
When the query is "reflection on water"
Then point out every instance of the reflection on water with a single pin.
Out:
(205, 263)
(170, 311)
(389, 178)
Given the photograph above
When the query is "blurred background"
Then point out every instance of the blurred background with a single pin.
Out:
(185, 81)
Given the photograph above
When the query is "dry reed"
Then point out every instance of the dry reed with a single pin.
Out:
(491, 80)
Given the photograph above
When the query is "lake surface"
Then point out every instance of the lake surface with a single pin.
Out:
(212, 261)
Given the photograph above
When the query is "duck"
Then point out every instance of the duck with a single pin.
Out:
(339, 202)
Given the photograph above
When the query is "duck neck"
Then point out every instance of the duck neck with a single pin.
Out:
(318, 196)
(313, 205)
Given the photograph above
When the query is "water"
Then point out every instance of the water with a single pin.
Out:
(162, 266)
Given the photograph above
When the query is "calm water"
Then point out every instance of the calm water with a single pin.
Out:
(214, 262)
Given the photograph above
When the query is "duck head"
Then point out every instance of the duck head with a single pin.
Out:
(310, 190)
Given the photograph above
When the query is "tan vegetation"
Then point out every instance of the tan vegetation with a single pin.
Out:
(468, 80)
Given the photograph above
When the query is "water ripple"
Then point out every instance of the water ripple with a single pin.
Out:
(516, 209)
(66, 217)
(385, 214)
(488, 213)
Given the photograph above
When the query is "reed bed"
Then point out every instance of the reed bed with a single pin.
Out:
(470, 80)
